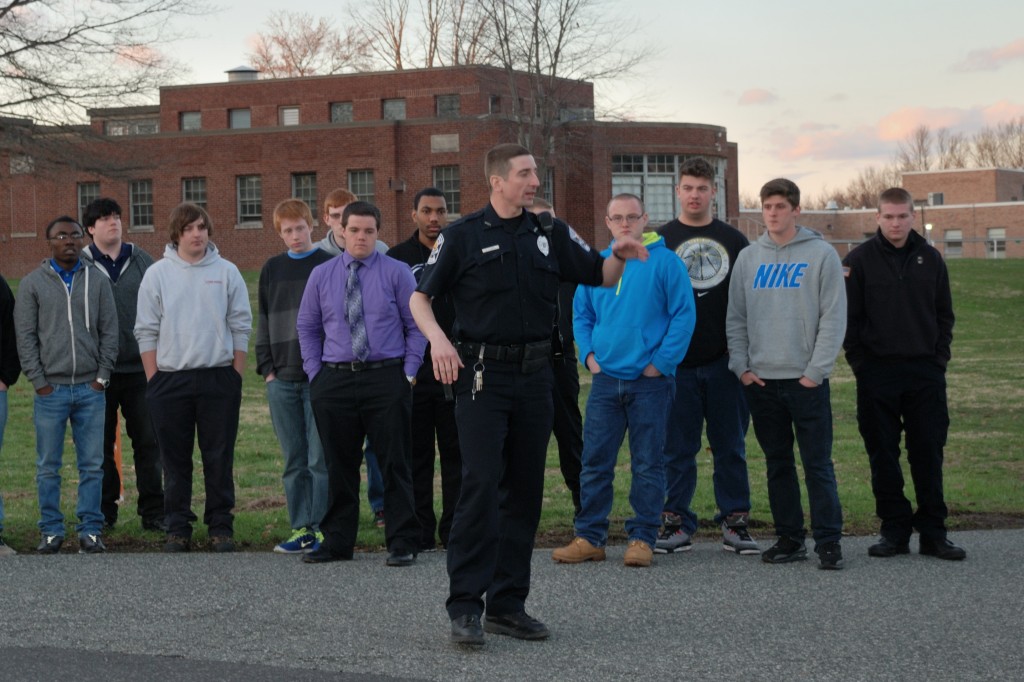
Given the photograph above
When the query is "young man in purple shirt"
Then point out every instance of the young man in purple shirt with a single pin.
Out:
(361, 350)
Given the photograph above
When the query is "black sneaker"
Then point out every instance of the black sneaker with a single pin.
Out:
(519, 625)
(50, 544)
(222, 544)
(784, 551)
(5, 549)
(155, 524)
(91, 544)
(176, 543)
(830, 554)
(466, 630)
(942, 549)
(886, 548)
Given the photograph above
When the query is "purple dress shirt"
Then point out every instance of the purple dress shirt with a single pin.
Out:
(387, 285)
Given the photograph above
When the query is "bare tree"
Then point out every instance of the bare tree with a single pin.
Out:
(383, 25)
(915, 152)
(467, 32)
(296, 44)
(951, 149)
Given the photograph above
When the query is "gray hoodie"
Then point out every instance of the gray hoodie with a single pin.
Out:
(194, 315)
(328, 245)
(65, 337)
(787, 308)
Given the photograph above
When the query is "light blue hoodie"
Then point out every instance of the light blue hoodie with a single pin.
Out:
(646, 319)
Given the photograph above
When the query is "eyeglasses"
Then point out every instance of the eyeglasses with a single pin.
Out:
(632, 219)
(64, 236)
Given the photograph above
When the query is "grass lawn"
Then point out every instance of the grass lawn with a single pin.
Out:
(984, 472)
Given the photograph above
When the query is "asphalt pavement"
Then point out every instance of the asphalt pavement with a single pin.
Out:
(700, 615)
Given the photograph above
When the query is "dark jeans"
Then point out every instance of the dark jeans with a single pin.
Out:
(568, 423)
(503, 434)
(432, 414)
(348, 407)
(182, 405)
(779, 408)
(909, 397)
(128, 391)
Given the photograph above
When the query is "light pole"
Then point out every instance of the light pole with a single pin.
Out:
(928, 233)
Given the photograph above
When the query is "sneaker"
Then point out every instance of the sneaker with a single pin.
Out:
(735, 537)
(830, 554)
(886, 548)
(672, 537)
(638, 554)
(222, 544)
(578, 551)
(942, 549)
(5, 549)
(467, 630)
(302, 541)
(784, 551)
(176, 543)
(378, 518)
(50, 544)
(91, 544)
(519, 625)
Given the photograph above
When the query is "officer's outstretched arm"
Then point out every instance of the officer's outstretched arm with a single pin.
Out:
(625, 248)
(443, 354)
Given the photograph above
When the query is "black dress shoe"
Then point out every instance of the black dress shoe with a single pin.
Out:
(942, 549)
(466, 630)
(323, 555)
(401, 559)
(157, 525)
(888, 548)
(518, 625)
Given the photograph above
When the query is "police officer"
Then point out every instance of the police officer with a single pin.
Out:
(502, 269)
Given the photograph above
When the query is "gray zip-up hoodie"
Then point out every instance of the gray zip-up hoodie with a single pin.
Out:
(328, 245)
(787, 308)
(65, 337)
(194, 315)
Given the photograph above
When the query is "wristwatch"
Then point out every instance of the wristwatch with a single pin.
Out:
(105, 383)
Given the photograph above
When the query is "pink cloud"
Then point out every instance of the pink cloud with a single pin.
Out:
(757, 96)
(1001, 111)
(900, 123)
(829, 143)
(992, 59)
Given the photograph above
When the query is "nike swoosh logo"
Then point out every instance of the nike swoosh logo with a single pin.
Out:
(701, 294)
(305, 543)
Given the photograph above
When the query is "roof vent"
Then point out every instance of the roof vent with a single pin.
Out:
(242, 73)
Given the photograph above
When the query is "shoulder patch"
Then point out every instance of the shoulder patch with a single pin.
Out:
(578, 239)
(437, 249)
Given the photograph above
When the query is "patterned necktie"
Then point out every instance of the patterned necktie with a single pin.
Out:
(354, 312)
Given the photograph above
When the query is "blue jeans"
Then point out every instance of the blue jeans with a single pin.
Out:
(709, 394)
(641, 405)
(778, 408)
(84, 407)
(305, 473)
(3, 425)
(374, 478)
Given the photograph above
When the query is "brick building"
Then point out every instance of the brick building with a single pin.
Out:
(240, 146)
(973, 213)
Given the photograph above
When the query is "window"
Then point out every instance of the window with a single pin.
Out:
(394, 110)
(547, 189)
(21, 164)
(289, 116)
(652, 177)
(191, 120)
(494, 104)
(239, 118)
(360, 183)
(996, 244)
(304, 187)
(446, 179)
(575, 114)
(137, 126)
(341, 112)
(88, 192)
(141, 204)
(954, 244)
(936, 198)
(194, 190)
(448, 106)
(250, 199)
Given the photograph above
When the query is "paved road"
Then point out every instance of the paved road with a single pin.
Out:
(706, 614)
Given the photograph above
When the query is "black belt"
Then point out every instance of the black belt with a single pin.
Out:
(513, 353)
(357, 366)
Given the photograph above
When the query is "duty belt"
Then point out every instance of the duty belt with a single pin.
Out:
(519, 352)
(357, 366)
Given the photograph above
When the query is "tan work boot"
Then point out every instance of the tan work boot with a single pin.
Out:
(638, 554)
(578, 551)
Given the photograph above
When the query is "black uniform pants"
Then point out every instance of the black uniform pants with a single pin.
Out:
(348, 407)
(128, 391)
(907, 396)
(568, 424)
(182, 404)
(503, 435)
(432, 414)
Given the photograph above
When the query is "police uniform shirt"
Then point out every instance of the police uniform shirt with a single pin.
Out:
(504, 282)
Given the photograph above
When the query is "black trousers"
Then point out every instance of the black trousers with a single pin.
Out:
(348, 407)
(128, 392)
(433, 415)
(183, 404)
(568, 424)
(503, 435)
(910, 397)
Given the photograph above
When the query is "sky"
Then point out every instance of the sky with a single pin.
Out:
(812, 91)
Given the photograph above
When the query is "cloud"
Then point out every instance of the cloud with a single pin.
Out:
(992, 59)
(828, 143)
(900, 123)
(837, 97)
(757, 96)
